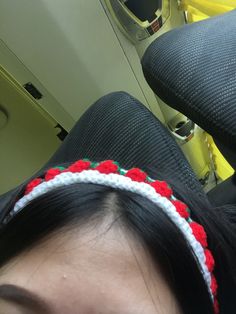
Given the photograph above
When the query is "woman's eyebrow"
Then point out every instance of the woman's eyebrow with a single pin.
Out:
(23, 297)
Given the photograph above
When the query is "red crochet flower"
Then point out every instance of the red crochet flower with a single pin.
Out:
(214, 285)
(199, 233)
(162, 188)
(79, 166)
(107, 167)
(216, 307)
(51, 173)
(31, 185)
(181, 209)
(136, 175)
(210, 262)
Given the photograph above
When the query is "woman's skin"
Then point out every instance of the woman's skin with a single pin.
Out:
(97, 270)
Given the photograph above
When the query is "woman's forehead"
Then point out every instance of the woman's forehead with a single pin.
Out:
(95, 268)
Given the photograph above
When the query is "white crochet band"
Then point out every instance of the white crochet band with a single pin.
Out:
(124, 183)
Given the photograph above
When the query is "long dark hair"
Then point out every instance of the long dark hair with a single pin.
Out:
(78, 204)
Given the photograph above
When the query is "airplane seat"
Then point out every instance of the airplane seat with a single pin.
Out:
(193, 70)
(119, 127)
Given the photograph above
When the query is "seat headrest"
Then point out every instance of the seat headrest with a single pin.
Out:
(193, 69)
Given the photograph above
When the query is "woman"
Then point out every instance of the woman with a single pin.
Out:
(90, 235)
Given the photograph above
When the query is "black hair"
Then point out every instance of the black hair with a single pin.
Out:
(79, 204)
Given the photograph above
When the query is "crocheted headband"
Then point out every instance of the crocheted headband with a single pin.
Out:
(109, 173)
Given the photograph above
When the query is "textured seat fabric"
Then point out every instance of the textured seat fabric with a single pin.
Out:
(193, 69)
(119, 127)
